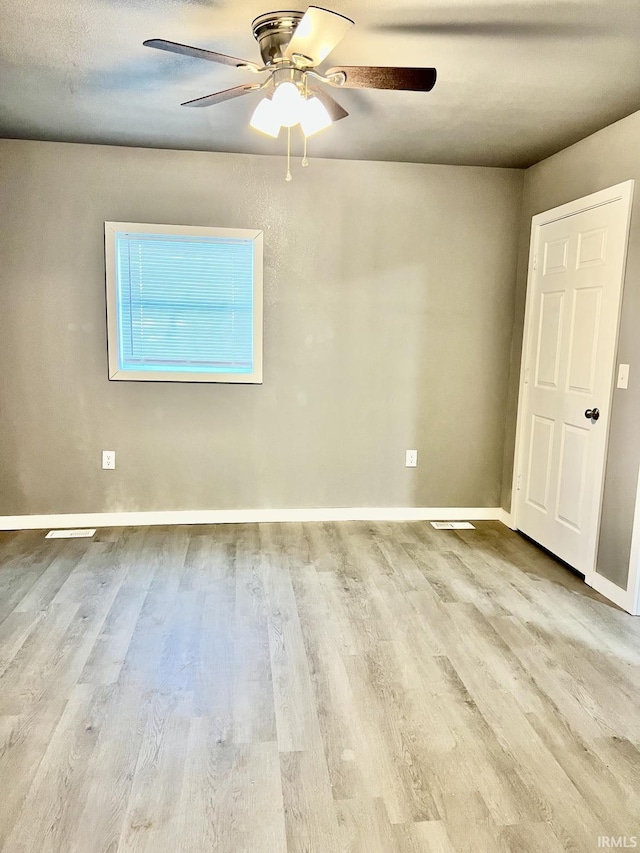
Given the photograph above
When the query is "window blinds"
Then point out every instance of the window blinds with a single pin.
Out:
(184, 303)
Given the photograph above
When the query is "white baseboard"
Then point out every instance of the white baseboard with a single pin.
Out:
(622, 597)
(506, 518)
(239, 516)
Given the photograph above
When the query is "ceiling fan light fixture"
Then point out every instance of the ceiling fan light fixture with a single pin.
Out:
(265, 118)
(293, 45)
(315, 117)
(288, 103)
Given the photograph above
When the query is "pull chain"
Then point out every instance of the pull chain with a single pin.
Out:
(305, 160)
(288, 177)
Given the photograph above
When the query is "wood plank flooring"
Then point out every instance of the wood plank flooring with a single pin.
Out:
(311, 688)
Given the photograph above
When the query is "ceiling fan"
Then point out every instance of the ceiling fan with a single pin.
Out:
(292, 46)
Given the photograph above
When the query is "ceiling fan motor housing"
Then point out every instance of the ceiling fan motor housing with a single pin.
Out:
(273, 33)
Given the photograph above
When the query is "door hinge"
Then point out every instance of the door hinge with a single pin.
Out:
(526, 376)
(535, 261)
(518, 482)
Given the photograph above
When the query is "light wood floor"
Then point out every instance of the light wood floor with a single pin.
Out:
(379, 688)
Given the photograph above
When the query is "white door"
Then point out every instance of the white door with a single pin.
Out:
(573, 308)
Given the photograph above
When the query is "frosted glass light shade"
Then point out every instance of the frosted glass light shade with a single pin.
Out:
(265, 118)
(315, 117)
(288, 103)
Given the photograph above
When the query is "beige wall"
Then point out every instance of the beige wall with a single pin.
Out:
(389, 298)
(608, 157)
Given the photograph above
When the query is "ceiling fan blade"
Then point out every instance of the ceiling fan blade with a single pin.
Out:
(372, 77)
(495, 29)
(199, 53)
(500, 19)
(335, 110)
(318, 32)
(225, 95)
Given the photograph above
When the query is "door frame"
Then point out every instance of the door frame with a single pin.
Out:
(632, 604)
(618, 192)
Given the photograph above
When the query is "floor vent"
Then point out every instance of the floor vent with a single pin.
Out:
(452, 525)
(71, 534)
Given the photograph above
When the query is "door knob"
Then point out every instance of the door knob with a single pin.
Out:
(592, 414)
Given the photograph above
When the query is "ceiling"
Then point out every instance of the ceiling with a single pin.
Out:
(517, 79)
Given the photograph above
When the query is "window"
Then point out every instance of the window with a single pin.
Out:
(184, 304)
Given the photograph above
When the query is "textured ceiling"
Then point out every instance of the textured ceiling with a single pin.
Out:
(517, 79)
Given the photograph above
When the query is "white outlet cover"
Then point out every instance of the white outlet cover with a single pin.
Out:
(108, 460)
(452, 525)
(411, 459)
(71, 534)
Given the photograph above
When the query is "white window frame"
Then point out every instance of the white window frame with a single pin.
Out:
(110, 231)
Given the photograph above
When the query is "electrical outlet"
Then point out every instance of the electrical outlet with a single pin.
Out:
(108, 460)
(411, 459)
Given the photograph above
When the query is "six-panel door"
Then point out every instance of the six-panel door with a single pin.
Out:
(572, 335)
